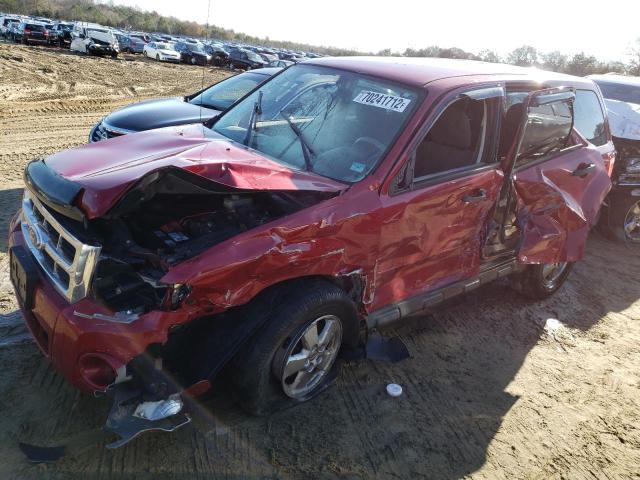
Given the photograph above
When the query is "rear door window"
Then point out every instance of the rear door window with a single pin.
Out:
(589, 118)
(547, 132)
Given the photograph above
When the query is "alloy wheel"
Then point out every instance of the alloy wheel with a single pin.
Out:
(308, 358)
(551, 273)
(632, 223)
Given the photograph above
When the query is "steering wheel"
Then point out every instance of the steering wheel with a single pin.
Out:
(372, 142)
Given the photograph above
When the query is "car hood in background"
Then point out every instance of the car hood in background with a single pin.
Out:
(624, 119)
(158, 114)
(100, 173)
(102, 36)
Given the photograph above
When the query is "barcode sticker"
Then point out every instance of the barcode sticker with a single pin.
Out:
(382, 100)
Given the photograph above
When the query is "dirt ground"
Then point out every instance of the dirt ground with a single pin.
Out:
(494, 388)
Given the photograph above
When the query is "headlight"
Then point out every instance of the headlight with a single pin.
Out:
(632, 165)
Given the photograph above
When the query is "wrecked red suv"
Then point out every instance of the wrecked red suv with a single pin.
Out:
(344, 195)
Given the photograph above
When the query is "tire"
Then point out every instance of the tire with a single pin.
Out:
(257, 371)
(144, 53)
(538, 282)
(193, 61)
(157, 57)
(624, 219)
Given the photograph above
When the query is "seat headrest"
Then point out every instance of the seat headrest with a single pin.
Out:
(453, 128)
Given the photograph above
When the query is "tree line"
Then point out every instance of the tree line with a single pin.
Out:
(133, 18)
(527, 56)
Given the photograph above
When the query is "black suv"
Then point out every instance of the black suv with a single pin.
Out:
(193, 53)
(31, 32)
(60, 34)
(246, 60)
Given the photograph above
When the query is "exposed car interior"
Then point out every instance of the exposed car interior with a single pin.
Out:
(456, 140)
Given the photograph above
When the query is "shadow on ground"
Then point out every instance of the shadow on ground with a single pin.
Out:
(9, 204)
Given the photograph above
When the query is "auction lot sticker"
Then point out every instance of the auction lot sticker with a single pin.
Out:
(382, 100)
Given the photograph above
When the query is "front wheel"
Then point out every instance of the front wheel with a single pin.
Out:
(157, 57)
(292, 358)
(624, 218)
(541, 281)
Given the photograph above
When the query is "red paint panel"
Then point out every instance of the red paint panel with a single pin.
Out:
(556, 209)
(430, 237)
(109, 168)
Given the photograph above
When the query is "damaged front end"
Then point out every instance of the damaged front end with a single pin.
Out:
(121, 328)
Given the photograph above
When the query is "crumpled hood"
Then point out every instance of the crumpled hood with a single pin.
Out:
(108, 38)
(106, 170)
(158, 114)
(624, 119)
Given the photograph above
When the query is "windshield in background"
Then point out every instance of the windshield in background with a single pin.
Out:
(335, 123)
(620, 92)
(254, 57)
(195, 48)
(163, 46)
(224, 94)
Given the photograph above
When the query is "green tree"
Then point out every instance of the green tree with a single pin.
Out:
(489, 56)
(554, 61)
(582, 64)
(524, 56)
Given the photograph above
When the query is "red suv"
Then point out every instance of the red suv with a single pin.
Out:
(345, 194)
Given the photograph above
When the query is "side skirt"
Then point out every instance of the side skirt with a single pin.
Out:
(425, 302)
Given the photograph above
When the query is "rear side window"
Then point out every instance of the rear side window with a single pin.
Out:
(589, 119)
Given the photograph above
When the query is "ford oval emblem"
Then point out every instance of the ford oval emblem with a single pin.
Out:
(35, 238)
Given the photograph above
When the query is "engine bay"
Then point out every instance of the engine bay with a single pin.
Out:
(167, 219)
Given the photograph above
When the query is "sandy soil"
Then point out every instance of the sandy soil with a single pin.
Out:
(489, 391)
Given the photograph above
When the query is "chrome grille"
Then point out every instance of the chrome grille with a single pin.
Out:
(68, 262)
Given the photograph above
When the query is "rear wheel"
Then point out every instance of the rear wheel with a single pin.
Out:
(541, 281)
(157, 57)
(293, 357)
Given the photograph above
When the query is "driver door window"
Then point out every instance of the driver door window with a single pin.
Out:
(460, 139)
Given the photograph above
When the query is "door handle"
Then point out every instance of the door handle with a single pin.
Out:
(584, 169)
(477, 196)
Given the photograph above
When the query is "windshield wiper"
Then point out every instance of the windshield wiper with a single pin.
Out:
(307, 151)
(253, 121)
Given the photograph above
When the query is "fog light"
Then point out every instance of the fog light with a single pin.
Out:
(96, 371)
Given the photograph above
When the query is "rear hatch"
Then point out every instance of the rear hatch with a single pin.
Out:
(34, 31)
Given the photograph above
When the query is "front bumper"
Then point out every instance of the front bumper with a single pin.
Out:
(68, 334)
(102, 50)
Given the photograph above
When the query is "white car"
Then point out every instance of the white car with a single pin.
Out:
(94, 40)
(163, 52)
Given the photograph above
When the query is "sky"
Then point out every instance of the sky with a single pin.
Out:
(604, 29)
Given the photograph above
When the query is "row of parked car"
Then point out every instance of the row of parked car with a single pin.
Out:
(101, 40)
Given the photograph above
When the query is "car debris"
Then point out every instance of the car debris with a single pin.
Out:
(394, 390)
(340, 198)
